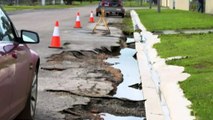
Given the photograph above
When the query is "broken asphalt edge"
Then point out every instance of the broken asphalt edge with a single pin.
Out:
(166, 92)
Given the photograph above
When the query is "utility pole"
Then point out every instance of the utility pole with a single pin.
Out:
(150, 4)
(43, 2)
(141, 2)
(158, 2)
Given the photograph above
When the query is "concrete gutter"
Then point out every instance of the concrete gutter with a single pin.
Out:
(164, 98)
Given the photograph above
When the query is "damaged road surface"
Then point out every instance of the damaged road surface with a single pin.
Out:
(115, 106)
(81, 72)
(84, 85)
(76, 82)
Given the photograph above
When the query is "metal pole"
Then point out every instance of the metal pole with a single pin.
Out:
(159, 1)
(150, 4)
(43, 2)
(62, 2)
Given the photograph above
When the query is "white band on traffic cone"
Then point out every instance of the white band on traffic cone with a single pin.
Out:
(77, 18)
(56, 31)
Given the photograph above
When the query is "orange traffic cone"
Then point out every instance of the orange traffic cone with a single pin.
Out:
(55, 42)
(91, 19)
(78, 22)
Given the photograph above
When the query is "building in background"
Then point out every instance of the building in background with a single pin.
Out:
(182, 4)
(209, 6)
(165, 3)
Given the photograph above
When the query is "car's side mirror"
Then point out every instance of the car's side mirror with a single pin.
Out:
(29, 37)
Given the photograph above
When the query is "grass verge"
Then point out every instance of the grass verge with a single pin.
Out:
(127, 26)
(135, 4)
(199, 63)
(26, 7)
(174, 20)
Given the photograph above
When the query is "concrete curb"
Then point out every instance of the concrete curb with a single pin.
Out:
(164, 98)
(152, 104)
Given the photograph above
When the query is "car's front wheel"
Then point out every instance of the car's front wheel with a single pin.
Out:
(29, 111)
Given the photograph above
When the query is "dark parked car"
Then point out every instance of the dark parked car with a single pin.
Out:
(111, 7)
(18, 71)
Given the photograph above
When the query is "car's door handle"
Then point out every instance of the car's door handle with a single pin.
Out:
(14, 55)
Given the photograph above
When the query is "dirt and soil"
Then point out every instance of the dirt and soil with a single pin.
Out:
(89, 68)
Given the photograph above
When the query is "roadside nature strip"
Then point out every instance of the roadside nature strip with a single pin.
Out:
(135, 4)
(127, 25)
(196, 49)
(198, 62)
(174, 20)
(25, 7)
(33, 7)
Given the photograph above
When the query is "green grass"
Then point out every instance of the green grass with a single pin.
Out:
(25, 7)
(127, 26)
(174, 19)
(134, 3)
(198, 88)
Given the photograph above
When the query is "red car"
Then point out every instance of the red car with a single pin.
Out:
(18, 71)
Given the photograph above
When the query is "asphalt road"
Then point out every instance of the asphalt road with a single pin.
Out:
(43, 21)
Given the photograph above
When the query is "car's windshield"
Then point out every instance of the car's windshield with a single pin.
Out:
(6, 33)
(111, 3)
